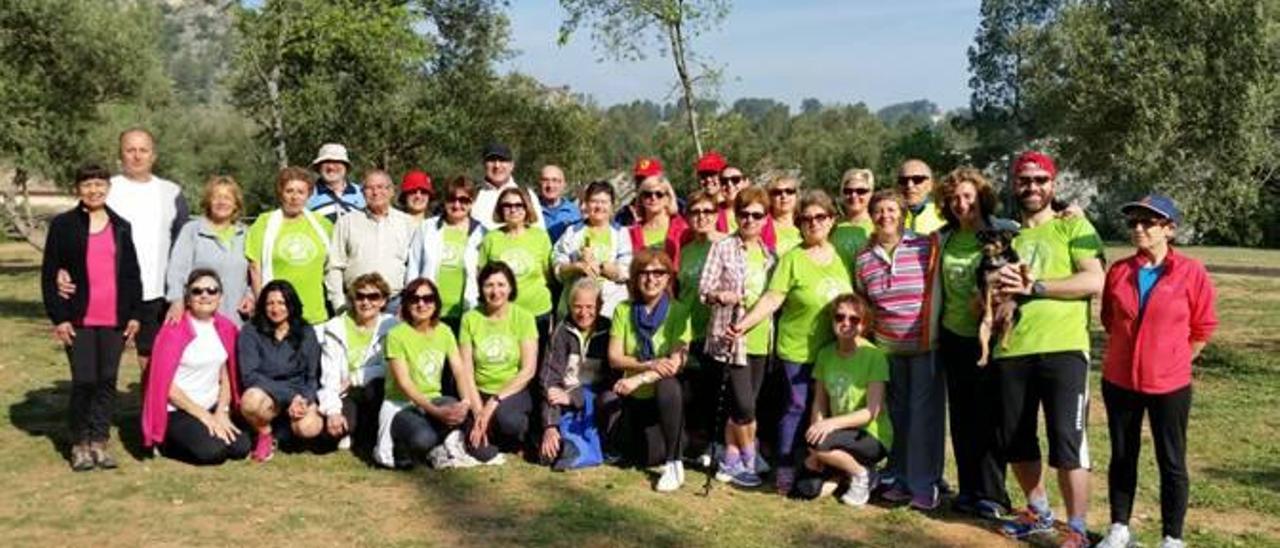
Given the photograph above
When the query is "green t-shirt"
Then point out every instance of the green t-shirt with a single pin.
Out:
(846, 380)
(673, 331)
(756, 283)
(597, 244)
(849, 239)
(529, 256)
(426, 355)
(808, 287)
(452, 277)
(927, 222)
(693, 256)
(495, 345)
(1053, 325)
(225, 234)
(298, 256)
(960, 260)
(358, 340)
(655, 238)
(788, 238)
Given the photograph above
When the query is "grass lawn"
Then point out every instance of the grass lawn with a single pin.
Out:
(336, 499)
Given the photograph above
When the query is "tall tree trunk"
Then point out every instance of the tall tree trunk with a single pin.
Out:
(676, 33)
(22, 218)
(277, 118)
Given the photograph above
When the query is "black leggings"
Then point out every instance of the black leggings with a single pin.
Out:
(509, 426)
(855, 441)
(360, 409)
(666, 409)
(744, 388)
(973, 399)
(1168, 414)
(187, 439)
(95, 361)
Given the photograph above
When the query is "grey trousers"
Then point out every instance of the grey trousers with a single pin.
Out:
(917, 408)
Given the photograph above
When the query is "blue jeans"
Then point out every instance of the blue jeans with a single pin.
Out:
(917, 407)
(795, 414)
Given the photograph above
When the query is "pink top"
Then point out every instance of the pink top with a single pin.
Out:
(897, 287)
(100, 260)
(171, 341)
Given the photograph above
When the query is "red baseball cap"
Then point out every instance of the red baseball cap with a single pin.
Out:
(647, 167)
(1034, 158)
(416, 180)
(710, 162)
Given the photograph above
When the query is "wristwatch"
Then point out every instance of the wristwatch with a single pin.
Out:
(1037, 289)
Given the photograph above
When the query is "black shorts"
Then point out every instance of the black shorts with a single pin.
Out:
(150, 318)
(1058, 382)
(857, 443)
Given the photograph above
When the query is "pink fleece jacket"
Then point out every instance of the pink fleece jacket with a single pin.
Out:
(171, 341)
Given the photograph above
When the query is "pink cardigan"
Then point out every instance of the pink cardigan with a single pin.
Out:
(171, 341)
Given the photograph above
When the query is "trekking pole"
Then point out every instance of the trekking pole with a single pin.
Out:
(719, 418)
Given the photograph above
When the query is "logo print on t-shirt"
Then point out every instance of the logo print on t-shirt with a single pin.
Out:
(495, 348)
(451, 254)
(297, 249)
(431, 363)
(755, 282)
(840, 385)
(519, 259)
(830, 288)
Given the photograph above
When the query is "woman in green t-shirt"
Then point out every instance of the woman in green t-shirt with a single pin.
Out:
(527, 251)
(291, 244)
(700, 383)
(416, 415)
(736, 274)
(803, 285)
(499, 348)
(648, 343)
(783, 197)
(848, 431)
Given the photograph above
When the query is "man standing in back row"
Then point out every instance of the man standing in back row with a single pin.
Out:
(499, 166)
(334, 194)
(1046, 362)
(915, 180)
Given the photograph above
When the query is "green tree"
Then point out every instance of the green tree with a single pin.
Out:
(625, 29)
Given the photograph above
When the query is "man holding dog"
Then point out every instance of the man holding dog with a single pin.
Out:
(1046, 360)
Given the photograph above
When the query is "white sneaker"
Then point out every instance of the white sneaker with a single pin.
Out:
(1170, 542)
(672, 477)
(1117, 537)
(344, 443)
(859, 491)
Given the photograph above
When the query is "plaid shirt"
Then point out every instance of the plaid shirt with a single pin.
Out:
(726, 270)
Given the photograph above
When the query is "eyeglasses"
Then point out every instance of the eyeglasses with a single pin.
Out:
(512, 205)
(700, 211)
(655, 273)
(753, 215)
(1144, 222)
(653, 194)
(907, 180)
(202, 291)
(731, 180)
(861, 191)
(1038, 179)
(807, 219)
(781, 191)
(377, 296)
(420, 298)
(459, 199)
(841, 318)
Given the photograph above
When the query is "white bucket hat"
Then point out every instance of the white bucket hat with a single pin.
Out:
(331, 152)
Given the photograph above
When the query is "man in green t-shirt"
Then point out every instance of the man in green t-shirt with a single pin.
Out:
(1046, 360)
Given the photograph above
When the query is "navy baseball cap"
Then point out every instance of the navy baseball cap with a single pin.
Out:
(498, 151)
(1156, 203)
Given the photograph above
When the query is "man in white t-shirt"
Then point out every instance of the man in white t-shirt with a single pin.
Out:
(498, 169)
(156, 212)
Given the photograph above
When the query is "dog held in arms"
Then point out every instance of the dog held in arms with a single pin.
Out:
(999, 310)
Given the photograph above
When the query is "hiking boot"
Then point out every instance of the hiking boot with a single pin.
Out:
(81, 459)
(264, 447)
(1117, 537)
(1027, 522)
(101, 457)
(671, 479)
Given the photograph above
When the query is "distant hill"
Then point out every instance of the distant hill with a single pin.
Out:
(923, 110)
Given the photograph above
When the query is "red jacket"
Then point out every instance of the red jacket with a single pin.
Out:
(1149, 351)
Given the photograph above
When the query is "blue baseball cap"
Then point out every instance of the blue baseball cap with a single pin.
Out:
(1156, 203)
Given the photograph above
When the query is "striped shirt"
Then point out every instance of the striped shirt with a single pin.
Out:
(896, 287)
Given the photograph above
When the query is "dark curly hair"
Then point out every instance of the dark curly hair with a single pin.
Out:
(291, 302)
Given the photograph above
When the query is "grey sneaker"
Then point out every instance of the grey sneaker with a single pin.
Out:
(101, 456)
(81, 458)
(1117, 537)
(1170, 542)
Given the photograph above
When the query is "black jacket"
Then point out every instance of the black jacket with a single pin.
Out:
(566, 348)
(66, 247)
(276, 367)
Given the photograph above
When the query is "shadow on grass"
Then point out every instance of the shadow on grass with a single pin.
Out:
(1253, 477)
(22, 309)
(18, 268)
(43, 413)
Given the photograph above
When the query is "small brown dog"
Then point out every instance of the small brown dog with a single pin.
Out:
(999, 310)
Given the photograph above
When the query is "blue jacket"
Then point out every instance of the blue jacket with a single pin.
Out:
(324, 202)
(559, 217)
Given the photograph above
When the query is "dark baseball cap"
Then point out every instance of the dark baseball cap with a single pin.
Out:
(497, 150)
(1156, 203)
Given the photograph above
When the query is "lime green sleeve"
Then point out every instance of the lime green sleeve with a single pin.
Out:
(396, 348)
(526, 328)
(1084, 240)
(253, 240)
(783, 276)
(465, 328)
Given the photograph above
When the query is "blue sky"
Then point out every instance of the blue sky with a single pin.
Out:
(874, 51)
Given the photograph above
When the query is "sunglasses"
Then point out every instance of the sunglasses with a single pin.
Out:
(653, 194)
(753, 215)
(369, 296)
(841, 318)
(464, 200)
(655, 273)
(1144, 222)
(907, 180)
(420, 298)
(781, 191)
(806, 219)
(862, 191)
(1038, 179)
(202, 291)
(731, 180)
(512, 205)
(700, 211)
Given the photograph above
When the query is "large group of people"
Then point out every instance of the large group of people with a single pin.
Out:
(757, 330)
